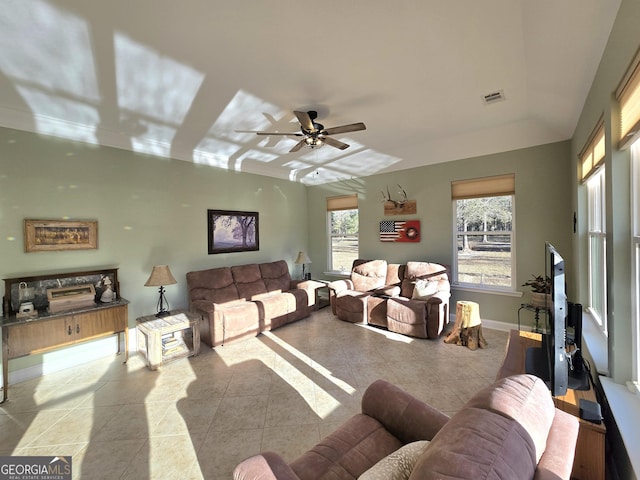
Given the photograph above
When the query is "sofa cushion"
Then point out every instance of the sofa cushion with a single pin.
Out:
(397, 465)
(214, 285)
(348, 452)
(421, 271)
(408, 317)
(500, 433)
(274, 308)
(369, 275)
(239, 319)
(248, 280)
(275, 276)
(425, 289)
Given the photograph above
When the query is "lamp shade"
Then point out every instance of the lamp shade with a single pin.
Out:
(302, 259)
(160, 275)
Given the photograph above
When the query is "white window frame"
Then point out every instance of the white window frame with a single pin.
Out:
(512, 234)
(597, 241)
(334, 204)
(635, 256)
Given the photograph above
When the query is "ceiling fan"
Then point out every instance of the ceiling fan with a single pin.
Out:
(315, 135)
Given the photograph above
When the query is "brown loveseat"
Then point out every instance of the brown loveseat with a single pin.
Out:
(242, 301)
(510, 429)
(411, 298)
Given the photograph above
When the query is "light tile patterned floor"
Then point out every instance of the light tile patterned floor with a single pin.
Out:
(197, 418)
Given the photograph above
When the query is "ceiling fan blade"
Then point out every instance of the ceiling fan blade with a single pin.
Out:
(334, 143)
(279, 133)
(298, 145)
(353, 127)
(305, 121)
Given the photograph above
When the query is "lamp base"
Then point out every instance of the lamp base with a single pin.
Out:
(162, 303)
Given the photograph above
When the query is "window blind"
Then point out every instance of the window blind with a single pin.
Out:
(343, 202)
(628, 96)
(592, 155)
(484, 187)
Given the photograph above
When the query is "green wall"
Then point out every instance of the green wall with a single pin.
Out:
(149, 210)
(543, 213)
(622, 46)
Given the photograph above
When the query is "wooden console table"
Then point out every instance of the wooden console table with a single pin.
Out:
(28, 335)
(22, 337)
(589, 462)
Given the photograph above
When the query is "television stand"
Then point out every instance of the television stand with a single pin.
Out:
(537, 363)
(589, 461)
(579, 380)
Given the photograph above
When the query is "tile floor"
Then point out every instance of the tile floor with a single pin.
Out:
(197, 418)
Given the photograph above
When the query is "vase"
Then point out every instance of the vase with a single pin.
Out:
(541, 300)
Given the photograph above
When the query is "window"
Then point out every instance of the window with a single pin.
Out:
(628, 96)
(342, 219)
(484, 241)
(597, 248)
(592, 159)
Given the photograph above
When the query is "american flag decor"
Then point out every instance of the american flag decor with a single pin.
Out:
(400, 231)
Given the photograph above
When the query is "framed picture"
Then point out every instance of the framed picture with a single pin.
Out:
(231, 231)
(54, 235)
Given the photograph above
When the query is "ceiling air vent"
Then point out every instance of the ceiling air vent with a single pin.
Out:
(493, 97)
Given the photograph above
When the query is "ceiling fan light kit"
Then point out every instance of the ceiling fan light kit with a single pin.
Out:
(315, 135)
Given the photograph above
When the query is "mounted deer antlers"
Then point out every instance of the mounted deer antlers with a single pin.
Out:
(396, 203)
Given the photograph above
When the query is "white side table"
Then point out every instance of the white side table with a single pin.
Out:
(164, 339)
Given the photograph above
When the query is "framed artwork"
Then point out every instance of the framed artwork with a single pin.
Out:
(55, 235)
(232, 231)
(400, 231)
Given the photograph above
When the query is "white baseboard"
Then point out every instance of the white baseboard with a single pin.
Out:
(495, 325)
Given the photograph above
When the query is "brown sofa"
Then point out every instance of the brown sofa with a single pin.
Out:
(510, 429)
(242, 301)
(384, 294)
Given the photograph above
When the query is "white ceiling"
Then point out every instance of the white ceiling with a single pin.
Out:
(192, 79)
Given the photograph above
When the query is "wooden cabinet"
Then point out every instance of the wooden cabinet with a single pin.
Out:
(27, 337)
(589, 461)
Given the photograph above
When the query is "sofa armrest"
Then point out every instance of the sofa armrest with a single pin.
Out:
(557, 460)
(406, 417)
(387, 291)
(264, 466)
(310, 287)
(204, 306)
(439, 297)
(338, 286)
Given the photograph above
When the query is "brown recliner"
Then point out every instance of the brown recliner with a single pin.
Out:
(422, 317)
(510, 429)
(349, 296)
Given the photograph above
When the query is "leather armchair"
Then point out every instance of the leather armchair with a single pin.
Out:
(348, 297)
(422, 317)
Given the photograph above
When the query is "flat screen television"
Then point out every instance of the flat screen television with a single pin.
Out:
(550, 361)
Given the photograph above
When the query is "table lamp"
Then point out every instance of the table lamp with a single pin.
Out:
(303, 259)
(161, 276)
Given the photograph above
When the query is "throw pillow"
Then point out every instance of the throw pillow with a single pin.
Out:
(397, 465)
(425, 289)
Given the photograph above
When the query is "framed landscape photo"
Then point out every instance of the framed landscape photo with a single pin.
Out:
(56, 235)
(232, 231)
